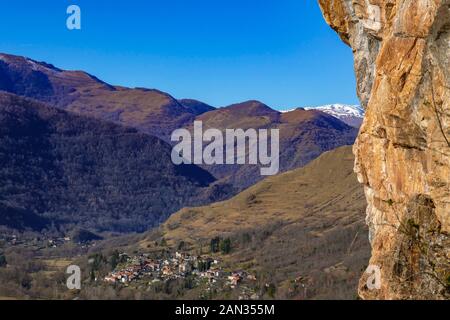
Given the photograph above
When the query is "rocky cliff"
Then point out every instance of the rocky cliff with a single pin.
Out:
(402, 51)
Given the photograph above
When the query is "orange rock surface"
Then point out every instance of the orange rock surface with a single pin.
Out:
(402, 63)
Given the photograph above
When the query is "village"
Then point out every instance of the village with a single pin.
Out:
(203, 269)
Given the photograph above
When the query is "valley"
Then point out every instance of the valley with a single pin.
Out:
(291, 236)
(236, 150)
(88, 179)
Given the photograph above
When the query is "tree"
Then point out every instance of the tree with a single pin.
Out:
(189, 282)
(225, 246)
(97, 260)
(271, 290)
(246, 238)
(3, 261)
(215, 243)
(92, 276)
(115, 259)
(202, 266)
(181, 246)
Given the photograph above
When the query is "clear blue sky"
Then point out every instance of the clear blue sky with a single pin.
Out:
(219, 51)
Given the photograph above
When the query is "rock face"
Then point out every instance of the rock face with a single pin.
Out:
(402, 63)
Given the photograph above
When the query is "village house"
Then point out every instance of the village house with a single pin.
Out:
(178, 265)
(167, 271)
(217, 271)
(185, 267)
(251, 277)
(110, 279)
(152, 266)
(234, 280)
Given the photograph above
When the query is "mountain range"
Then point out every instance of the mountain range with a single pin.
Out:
(73, 170)
(353, 115)
(304, 134)
(151, 111)
(84, 158)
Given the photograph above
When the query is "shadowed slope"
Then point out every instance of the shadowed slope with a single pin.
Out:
(90, 173)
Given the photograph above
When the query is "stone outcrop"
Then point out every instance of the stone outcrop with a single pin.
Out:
(402, 62)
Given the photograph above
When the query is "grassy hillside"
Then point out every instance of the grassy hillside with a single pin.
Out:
(306, 223)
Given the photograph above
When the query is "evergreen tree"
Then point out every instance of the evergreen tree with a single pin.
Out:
(115, 259)
(215, 245)
(225, 246)
(3, 262)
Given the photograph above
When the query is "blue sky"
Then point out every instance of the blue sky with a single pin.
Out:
(219, 51)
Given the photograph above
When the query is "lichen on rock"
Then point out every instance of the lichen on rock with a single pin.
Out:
(401, 52)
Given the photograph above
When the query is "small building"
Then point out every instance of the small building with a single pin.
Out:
(185, 267)
(251, 277)
(234, 279)
(167, 271)
(111, 279)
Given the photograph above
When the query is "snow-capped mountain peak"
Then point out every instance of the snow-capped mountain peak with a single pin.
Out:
(340, 110)
(352, 115)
